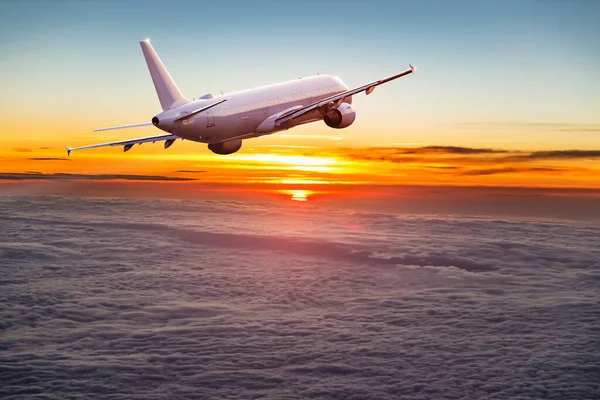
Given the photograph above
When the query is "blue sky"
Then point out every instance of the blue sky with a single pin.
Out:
(479, 61)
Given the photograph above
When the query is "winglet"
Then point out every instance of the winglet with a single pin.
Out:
(68, 150)
(412, 68)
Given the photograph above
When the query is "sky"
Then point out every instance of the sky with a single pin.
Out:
(506, 93)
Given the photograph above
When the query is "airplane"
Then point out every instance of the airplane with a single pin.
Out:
(224, 121)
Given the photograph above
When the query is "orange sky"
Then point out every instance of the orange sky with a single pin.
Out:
(312, 159)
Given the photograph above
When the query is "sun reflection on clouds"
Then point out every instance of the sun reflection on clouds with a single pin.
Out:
(299, 195)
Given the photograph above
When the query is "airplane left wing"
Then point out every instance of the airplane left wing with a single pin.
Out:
(336, 100)
(128, 144)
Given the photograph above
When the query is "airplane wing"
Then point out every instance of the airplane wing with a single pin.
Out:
(337, 99)
(128, 144)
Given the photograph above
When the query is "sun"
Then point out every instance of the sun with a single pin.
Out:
(299, 195)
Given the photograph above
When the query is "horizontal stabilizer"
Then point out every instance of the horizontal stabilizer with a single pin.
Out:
(128, 143)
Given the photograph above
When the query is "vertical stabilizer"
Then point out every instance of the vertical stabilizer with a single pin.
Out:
(166, 89)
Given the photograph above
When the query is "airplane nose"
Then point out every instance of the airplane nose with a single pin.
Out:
(155, 121)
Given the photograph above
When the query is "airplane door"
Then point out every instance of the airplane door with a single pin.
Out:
(210, 119)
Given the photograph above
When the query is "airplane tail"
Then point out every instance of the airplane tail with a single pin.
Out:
(166, 89)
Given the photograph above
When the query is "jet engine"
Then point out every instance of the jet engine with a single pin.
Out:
(228, 147)
(341, 117)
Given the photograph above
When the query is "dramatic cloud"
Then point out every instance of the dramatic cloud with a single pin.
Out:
(99, 177)
(242, 300)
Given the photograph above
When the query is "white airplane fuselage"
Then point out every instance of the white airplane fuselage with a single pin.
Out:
(225, 121)
(243, 112)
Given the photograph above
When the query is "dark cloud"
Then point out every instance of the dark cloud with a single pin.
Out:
(190, 171)
(490, 171)
(435, 150)
(443, 167)
(464, 155)
(511, 170)
(230, 300)
(99, 177)
(564, 154)
(457, 150)
(49, 159)
(414, 154)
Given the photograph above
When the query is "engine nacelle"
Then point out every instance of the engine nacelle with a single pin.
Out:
(228, 147)
(341, 117)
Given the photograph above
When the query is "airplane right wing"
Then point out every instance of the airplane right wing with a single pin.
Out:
(337, 99)
(128, 144)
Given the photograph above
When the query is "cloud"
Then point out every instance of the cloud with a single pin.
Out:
(424, 150)
(510, 170)
(461, 155)
(49, 159)
(455, 150)
(29, 150)
(207, 299)
(16, 176)
(563, 154)
(190, 171)
(443, 167)
(548, 126)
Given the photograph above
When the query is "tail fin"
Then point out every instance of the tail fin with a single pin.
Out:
(166, 89)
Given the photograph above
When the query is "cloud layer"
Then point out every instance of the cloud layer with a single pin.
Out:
(468, 162)
(18, 176)
(434, 164)
(238, 300)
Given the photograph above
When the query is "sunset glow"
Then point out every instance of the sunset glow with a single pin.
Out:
(508, 127)
(299, 195)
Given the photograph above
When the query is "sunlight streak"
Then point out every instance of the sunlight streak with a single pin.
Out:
(298, 195)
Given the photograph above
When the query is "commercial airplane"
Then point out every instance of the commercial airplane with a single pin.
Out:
(224, 121)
